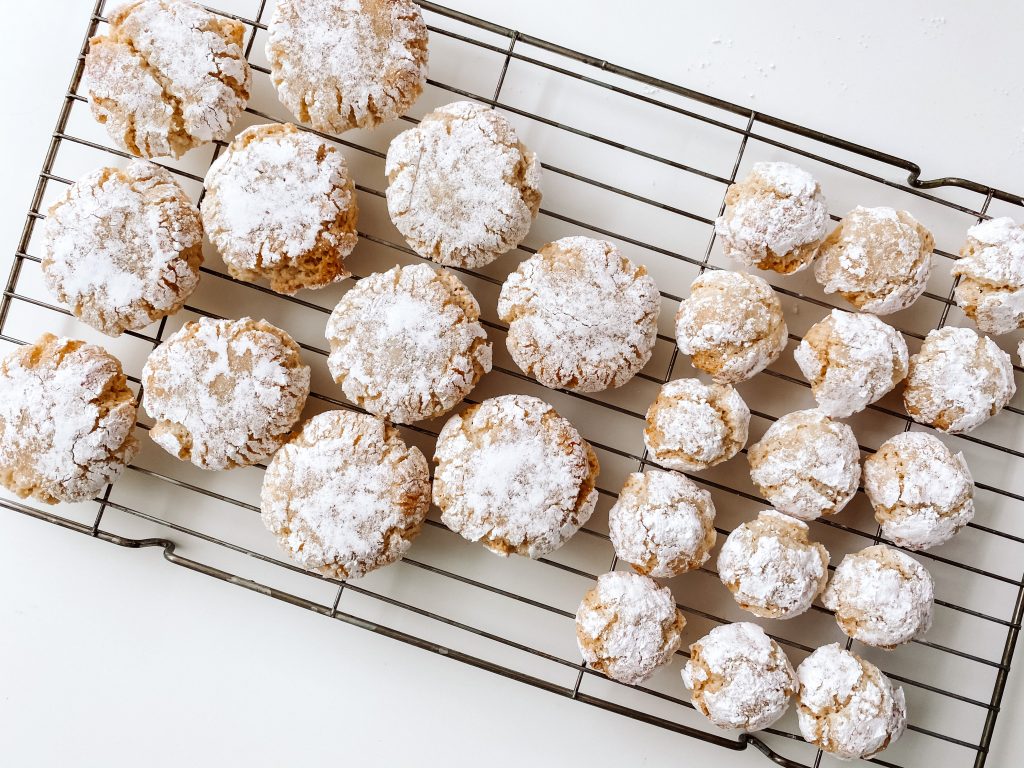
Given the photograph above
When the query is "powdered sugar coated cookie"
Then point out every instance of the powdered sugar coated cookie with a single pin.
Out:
(991, 272)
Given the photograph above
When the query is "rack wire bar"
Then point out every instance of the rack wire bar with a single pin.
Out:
(978, 595)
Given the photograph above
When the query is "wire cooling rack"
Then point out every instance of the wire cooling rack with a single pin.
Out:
(644, 163)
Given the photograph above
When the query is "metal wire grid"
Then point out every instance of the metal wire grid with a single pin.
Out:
(645, 703)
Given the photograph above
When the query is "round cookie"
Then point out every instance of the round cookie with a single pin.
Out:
(514, 475)
(280, 206)
(122, 248)
(771, 567)
(67, 420)
(774, 219)
(662, 524)
(922, 492)
(846, 706)
(627, 626)
(958, 380)
(224, 393)
(341, 64)
(851, 361)
(740, 677)
(881, 596)
(168, 76)
(806, 465)
(731, 325)
(991, 272)
(345, 495)
(581, 315)
(462, 189)
(878, 259)
(407, 344)
(692, 425)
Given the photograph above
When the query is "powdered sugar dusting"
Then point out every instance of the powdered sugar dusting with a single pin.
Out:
(991, 288)
(740, 677)
(851, 360)
(515, 475)
(462, 189)
(224, 393)
(881, 596)
(346, 495)
(662, 523)
(627, 626)
(66, 420)
(846, 705)
(407, 344)
(123, 247)
(581, 316)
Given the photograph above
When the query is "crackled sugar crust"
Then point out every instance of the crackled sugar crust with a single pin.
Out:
(341, 64)
(168, 76)
(806, 465)
(771, 567)
(991, 272)
(407, 344)
(731, 325)
(122, 248)
(462, 189)
(958, 380)
(846, 705)
(280, 206)
(581, 315)
(224, 393)
(345, 495)
(878, 259)
(922, 492)
(514, 475)
(740, 677)
(627, 626)
(774, 219)
(692, 425)
(67, 420)
(881, 596)
(662, 524)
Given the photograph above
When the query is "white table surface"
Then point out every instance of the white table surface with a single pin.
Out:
(110, 657)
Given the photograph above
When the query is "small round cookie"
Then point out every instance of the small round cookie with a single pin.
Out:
(740, 677)
(692, 425)
(168, 76)
(846, 706)
(514, 475)
(991, 272)
(731, 325)
(806, 465)
(280, 206)
(122, 248)
(922, 492)
(341, 64)
(345, 495)
(771, 567)
(881, 596)
(407, 344)
(224, 393)
(851, 361)
(774, 219)
(627, 626)
(958, 380)
(462, 189)
(662, 524)
(67, 420)
(878, 259)
(581, 316)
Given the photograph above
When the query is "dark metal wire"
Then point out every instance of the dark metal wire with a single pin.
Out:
(514, 52)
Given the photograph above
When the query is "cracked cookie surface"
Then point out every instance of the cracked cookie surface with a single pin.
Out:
(122, 248)
(991, 272)
(224, 393)
(168, 76)
(67, 420)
